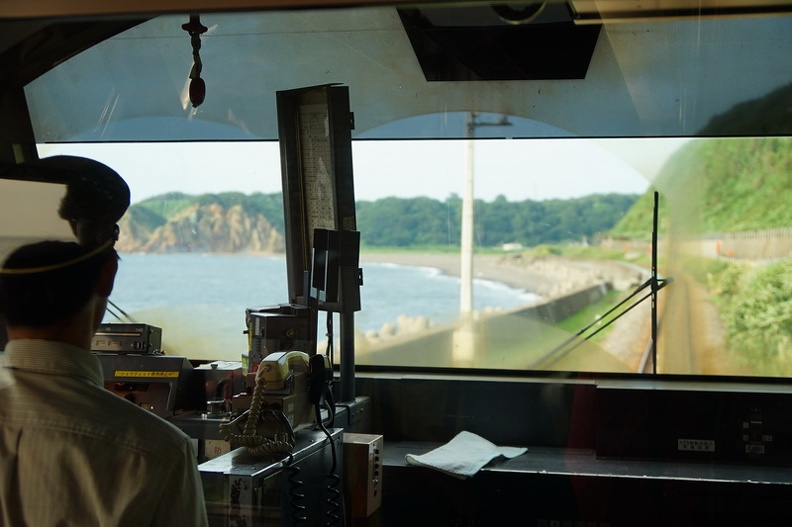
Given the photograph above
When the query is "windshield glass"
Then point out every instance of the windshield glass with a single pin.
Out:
(506, 215)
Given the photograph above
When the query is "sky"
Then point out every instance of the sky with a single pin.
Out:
(537, 169)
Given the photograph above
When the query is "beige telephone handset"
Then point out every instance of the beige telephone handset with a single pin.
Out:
(278, 409)
(274, 370)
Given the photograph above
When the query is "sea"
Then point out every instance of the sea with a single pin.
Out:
(199, 300)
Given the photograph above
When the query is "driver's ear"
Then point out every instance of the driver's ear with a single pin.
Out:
(107, 274)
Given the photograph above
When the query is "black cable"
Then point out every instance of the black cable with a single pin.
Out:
(329, 335)
(298, 509)
(116, 315)
(330, 405)
(335, 500)
(603, 324)
(329, 353)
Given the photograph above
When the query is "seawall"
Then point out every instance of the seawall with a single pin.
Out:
(513, 339)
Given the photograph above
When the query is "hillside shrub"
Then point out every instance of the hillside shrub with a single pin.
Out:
(757, 313)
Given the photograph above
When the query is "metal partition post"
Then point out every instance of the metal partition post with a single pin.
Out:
(347, 357)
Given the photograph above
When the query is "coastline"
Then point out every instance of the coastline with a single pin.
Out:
(485, 267)
(546, 276)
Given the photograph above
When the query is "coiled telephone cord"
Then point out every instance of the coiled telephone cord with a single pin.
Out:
(335, 500)
(258, 445)
(297, 497)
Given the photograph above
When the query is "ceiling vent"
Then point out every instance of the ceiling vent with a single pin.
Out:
(533, 41)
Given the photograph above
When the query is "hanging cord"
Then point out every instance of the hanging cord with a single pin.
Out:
(329, 335)
(320, 395)
(335, 501)
(298, 508)
(256, 444)
(331, 375)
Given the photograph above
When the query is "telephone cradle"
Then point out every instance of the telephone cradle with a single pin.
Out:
(286, 397)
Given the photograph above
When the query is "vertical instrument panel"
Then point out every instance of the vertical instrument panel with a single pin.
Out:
(315, 134)
(316, 170)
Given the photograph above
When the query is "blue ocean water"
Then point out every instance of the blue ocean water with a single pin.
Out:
(199, 300)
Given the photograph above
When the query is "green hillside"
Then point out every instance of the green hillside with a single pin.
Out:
(728, 185)
(172, 203)
(731, 184)
(165, 205)
(141, 221)
(769, 115)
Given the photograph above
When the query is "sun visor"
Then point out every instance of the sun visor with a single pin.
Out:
(29, 211)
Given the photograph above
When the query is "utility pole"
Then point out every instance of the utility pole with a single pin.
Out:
(466, 243)
(464, 345)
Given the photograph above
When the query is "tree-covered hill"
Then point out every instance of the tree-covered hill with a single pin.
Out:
(401, 222)
(767, 116)
(233, 222)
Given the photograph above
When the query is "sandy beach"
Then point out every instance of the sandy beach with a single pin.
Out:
(547, 276)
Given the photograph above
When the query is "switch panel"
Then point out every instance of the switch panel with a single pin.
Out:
(363, 473)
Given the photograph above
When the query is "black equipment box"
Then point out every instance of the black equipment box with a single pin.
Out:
(689, 422)
(128, 338)
(284, 327)
(161, 384)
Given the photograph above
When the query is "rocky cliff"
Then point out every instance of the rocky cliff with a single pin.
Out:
(210, 227)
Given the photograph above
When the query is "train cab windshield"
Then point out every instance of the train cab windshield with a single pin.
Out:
(547, 192)
(522, 151)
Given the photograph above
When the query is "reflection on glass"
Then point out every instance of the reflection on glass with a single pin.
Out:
(645, 78)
